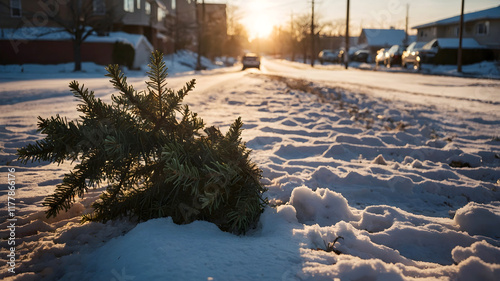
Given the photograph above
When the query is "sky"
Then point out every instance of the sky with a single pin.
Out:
(259, 16)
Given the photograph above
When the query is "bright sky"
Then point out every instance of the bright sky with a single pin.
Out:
(259, 16)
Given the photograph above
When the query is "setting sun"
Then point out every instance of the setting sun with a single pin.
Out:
(261, 27)
(259, 20)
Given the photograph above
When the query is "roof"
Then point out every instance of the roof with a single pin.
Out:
(384, 37)
(488, 14)
(58, 34)
(452, 43)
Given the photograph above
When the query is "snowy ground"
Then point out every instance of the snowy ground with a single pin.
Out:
(407, 173)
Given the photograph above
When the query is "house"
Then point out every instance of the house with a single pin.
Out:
(483, 26)
(24, 24)
(152, 18)
(376, 39)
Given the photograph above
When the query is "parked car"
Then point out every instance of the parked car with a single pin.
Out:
(361, 56)
(250, 60)
(328, 56)
(380, 58)
(393, 56)
(429, 51)
(412, 55)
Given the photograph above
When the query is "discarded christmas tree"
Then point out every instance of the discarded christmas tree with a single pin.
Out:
(155, 156)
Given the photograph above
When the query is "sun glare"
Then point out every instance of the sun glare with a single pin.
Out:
(261, 28)
(258, 23)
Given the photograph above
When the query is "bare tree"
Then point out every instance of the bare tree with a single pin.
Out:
(237, 37)
(80, 19)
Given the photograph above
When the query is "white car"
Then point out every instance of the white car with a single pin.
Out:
(250, 60)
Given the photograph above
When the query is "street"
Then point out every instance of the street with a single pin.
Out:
(476, 95)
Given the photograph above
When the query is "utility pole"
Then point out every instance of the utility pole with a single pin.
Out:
(200, 32)
(460, 35)
(406, 26)
(313, 54)
(292, 37)
(346, 53)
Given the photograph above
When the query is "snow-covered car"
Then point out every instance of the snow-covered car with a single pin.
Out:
(380, 58)
(412, 55)
(328, 56)
(393, 56)
(428, 51)
(250, 60)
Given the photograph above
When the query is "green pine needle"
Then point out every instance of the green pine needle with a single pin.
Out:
(150, 151)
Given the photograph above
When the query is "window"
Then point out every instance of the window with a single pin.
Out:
(99, 7)
(147, 8)
(173, 5)
(162, 14)
(15, 8)
(138, 4)
(128, 5)
(482, 28)
(457, 31)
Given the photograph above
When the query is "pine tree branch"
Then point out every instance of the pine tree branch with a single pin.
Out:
(155, 163)
(132, 99)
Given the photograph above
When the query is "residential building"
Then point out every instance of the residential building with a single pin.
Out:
(483, 26)
(154, 19)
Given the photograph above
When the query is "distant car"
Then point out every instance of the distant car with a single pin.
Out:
(380, 58)
(328, 56)
(250, 60)
(412, 55)
(361, 56)
(393, 56)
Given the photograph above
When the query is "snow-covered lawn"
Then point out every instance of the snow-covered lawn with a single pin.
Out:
(409, 191)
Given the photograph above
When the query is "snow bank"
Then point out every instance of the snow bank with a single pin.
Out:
(185, 61)
(198, 251)
(373, 175)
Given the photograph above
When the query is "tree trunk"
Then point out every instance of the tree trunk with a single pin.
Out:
(77, 55)
(304, 50)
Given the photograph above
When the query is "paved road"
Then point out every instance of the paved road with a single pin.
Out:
(470, 94)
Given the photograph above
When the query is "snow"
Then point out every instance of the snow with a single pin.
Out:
(55, 33)
(452, 43)
(476, 219)
(348, 157)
